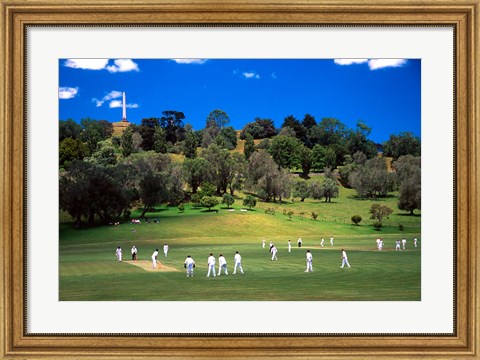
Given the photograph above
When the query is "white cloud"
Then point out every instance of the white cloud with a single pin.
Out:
(190, 61)
(114, 94)
(117, 104)
(123, 65)
(67, 92)
(86, 64)
(350, 61)
(119, 65)
(274, 76)
(375, 64)
(250, 75)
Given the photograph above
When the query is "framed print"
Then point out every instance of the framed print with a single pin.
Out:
(103, 138)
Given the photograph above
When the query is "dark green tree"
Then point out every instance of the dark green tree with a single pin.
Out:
(209, 202)
(160, 140)
(249, 201)
(69, 129)
(190, 145)
(301, 190)
(71, 149)
(305, 160)
(196, 171)
(172, 122)
(228, 200)
(284, 151)
(404, 143)
(219, 117)
(379, 212)
(249, 146)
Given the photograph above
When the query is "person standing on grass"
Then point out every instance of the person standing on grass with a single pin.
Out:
(165, 249)
(415, 241)
(271, 246)
(344, 259)
(189, 265)
(238, 263)
(118, 253)
(322, 242)
(309, 261)
(211, 265)
(397, 245)
(299, 242)
(380, 245)
(404, 242)
(154, 258)
(331, 240)
(222, 264)
(263, 243)
(134, 253)
(289, 246)
(274, 253)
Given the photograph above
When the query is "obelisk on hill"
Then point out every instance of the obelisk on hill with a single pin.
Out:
(124, 117)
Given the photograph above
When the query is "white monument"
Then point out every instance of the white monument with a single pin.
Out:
(124, 117)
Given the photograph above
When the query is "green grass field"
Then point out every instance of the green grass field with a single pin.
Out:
(89, 270)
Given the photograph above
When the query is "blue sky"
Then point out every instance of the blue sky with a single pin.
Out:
(384, 93)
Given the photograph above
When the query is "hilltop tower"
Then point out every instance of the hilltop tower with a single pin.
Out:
(119, 127)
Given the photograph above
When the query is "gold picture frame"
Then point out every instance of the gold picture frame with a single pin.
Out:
(16, 15)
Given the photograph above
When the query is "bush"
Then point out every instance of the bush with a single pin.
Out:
(209, 202)
(249, 201)
(290, 213)
(377, 225)
(126, 214)
(400, 227)
(356, 219)
(228, 200)
(181, 208)
(314, 215)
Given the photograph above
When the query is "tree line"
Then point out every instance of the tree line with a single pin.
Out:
(103, 177)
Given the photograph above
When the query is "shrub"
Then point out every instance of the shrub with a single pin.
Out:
(228, 200)
(249, 201)
(356, 219)
(126, 214)
(400, 227)
(290, 213)
(314, 215)
(209, 202)
(181, 208)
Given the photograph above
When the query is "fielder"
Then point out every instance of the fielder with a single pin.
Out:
(165, 249)
(238, 263)
(118, 253)
(134, 253)
(397, 245)
(154, 258)
(263, 243)
(331, 240)
(289, 246)
(404, 242)
(415, 241)
(211, 265)
(344, 259)
(274, 253)
(222, 264)
(189, 265)
(299, 242)
(309, 261)
(322, 242)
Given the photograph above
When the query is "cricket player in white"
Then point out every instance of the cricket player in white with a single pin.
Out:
(331, 240)
(165, 249)
(397, 245)
(118, 253)
(222, 264)
(322, 242)
(415, 242)
(289, 246)
(404, 242)
(344, 259)
(189, 265)
(309, 261)
(211, 265)
(378, 243)
(154, 258)
(274, 253)
(238, 263)
(263, 243)
(134, 253)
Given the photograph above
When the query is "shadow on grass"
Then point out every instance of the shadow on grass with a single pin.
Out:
(409, 215)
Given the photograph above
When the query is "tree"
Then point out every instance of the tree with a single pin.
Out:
(69, 129)
(249, 147)
(105, 156)
(195, 172)
(71, 149)
(249, 201)
(372, 179)
(172, 122)
(190, 145)
(329, 189)
(300, 130)
(379, 212)
(228, 200)
(284, 151)
(357, 141)
(219, 117)
(305, 160)
(210, 133)
(160, 140)
(229, 136)
(329, 131)
(147, 132)
(301, 190)
(95, 131)
(318, 157)
(237, 170)
(404, 143)
(259, 129)
(220, 167)
(209, 202)
(408, 170)
(309, 121)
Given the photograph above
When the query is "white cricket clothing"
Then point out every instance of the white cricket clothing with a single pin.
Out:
(154, 259)
(263, 244)
(238, 263)
(222, 264)
(415, 242)
(404, 241)
(118, 252)
(165, 249)
(134, 250)
(189, 266)
(344, 259)
(211, 265)
(331, 241)
(274, 253)
(322, 242)
(309, 262)
(289, 246)
(397, 245)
